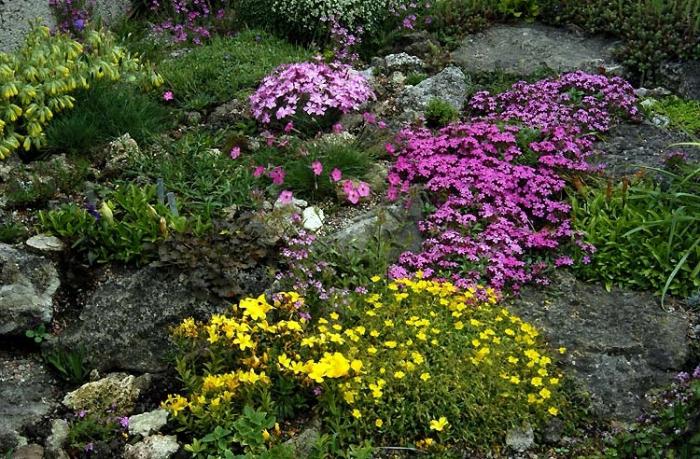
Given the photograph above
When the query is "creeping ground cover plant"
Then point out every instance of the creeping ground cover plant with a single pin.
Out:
(410, 362)
(496, 182)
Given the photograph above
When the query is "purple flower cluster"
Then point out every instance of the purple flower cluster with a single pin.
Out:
(497, 186)
(72, 16)
(188, 19)
(313, 88)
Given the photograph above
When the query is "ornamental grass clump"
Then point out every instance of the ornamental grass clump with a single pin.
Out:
(309, 92)
(412, 362)
(496, 182)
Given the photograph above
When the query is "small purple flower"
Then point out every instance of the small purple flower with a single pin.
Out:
(124, 422)
(79, 24)
(89, 447)
(82, 413)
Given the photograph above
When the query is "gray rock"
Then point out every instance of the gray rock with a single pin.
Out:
(193, 118)
(153, 447)
(524, 49)
(660, 121)
(124, 323)
(28, 392)
(228, 113)
(120, 150)
(145, 424)
(448, 85)
(620, 343)
(305, 442)
(29, 452)
(398, 228)
(402, 62)
(46, 243)
(627, 146)
(117, 390)
(684, 78)
(520, 439)
(56, 441)
(27, 285)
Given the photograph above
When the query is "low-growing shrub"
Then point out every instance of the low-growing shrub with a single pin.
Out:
(36, 81)
(682, 114)
(103, 113)
(226, 67)
(440, 113)
(646, 234)
(409, 363)
(125, 228)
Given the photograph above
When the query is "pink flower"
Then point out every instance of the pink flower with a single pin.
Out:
(258, 171)
(369, 118)
(348, 186)
(382, 125)
(338, 128)
(353, 197)
(317, 167)
(363, 189)
(285, 197)
(289, 127)
(336, 175)
(168, 96)
(235, 152)
(277, 175)
(390, 148)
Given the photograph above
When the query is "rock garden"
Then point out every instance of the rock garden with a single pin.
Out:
(350, 229)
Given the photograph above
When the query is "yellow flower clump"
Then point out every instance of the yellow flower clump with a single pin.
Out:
(411, 359)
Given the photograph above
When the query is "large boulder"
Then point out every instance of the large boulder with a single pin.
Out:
(28, 393)
(125, 322)
(620, 344)
(524, 49)
(27, 285)
(116, 391)
(684, 77)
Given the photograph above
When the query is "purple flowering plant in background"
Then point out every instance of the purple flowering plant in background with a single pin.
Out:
(189, 20)
(72, 16)
(496, 182)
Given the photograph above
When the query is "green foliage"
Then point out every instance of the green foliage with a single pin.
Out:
(12, 232)
(129, 224)
(350, 158)
(440, 113)
(231, 259)
(205, 180)
(226, 67)
(683, 114)
(70, 364)
(414, 78)
(91, 428)
(652, 31)
(38, 334)
(519, 8)
(249, 432)
(104, 112)
(36, 81)
(672, 430)
(647, 235)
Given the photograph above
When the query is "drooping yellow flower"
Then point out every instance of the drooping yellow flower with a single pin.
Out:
(439, 424)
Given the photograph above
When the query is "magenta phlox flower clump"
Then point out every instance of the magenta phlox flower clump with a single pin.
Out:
(311, 88)
(496, 182)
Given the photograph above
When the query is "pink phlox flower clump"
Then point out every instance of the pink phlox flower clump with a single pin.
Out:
(313, 88)
(496, 187)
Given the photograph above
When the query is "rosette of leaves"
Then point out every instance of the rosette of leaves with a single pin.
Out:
(235, 258)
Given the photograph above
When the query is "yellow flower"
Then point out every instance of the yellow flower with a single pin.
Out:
(374, 333)
(256, 308)
(379, 423)
(553, 411)
(553, 381)
(284, 360)
(459, 325)
(371, 350)
(438, 424)
(545, 393)
(536, 381)
(390, 344)
(334, 316)
(356, 413)
(512, 359)
(514, 380)
(562, 350)
(425, 376)
(375, 278)
(266, 435)
(356, 365)
(175, 404)
(399, 374)
(244, 341)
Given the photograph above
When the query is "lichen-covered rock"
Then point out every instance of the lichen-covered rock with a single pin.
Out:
(117, 391)
(401, 62)
(56, 441)
(620, 344)
(145, 424)
(124, 325)
(153, 447)
(524, 49)
(28, 392)
(448, 85)
(45, 243)
(28, 283)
